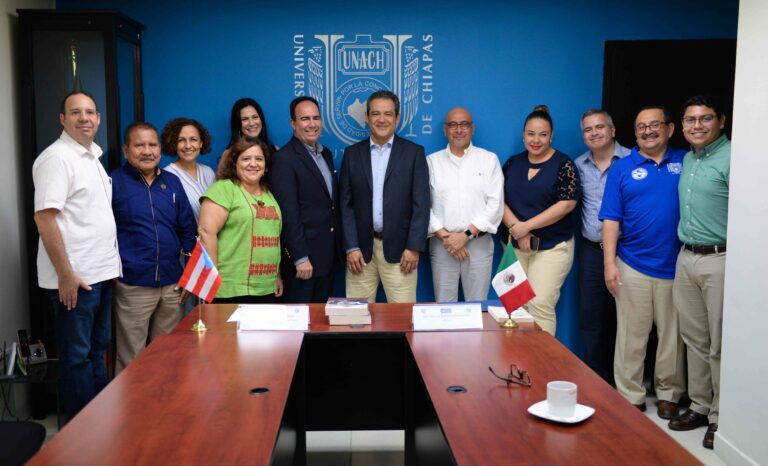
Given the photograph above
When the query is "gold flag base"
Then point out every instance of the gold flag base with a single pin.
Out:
(508, 323)
(199, 326)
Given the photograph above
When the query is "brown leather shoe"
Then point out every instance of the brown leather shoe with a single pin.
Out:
(667, 409)
(689, 420)
(641, 407)
(709, 437)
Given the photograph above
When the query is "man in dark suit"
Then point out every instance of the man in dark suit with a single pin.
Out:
(384, 206)
(304, 183)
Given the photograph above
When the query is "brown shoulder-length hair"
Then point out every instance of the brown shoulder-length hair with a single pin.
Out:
(228, 166)
(171, 132)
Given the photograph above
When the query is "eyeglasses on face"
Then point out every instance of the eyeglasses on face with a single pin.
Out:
(653, 126)
(454, 125)
(704, 120)
(516, 375)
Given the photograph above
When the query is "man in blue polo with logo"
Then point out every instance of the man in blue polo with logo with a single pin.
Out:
(640, 201)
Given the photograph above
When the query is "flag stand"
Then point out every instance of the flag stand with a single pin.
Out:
(199, 326)
(508, 323)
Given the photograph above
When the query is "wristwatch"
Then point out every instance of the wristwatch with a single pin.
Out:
(469, 234)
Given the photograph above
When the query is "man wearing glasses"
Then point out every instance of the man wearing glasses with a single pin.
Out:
(700, 272)
(597, 309)
(467, 191)
(641, 200)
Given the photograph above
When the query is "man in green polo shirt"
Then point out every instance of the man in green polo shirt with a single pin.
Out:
(700, 272)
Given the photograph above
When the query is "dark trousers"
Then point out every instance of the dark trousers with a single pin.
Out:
(597, 312)
(82, 337)
(313, 290)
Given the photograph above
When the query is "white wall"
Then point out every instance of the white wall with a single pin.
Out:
(14, 309)
(744, 388)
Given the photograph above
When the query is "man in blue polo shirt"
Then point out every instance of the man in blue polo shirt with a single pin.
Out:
(154, 224)
(640, 200)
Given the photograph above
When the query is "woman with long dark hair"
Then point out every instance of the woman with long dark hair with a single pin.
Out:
(246, 120)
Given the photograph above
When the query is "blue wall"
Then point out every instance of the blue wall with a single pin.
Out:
(497, 58)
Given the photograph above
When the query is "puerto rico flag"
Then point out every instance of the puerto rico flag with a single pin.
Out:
(200, 277)
(511, 283)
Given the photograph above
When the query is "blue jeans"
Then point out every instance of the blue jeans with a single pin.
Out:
(82, 336)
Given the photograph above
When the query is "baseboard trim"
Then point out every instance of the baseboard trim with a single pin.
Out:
(729, 453)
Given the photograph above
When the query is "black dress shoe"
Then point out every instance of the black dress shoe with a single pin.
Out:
(709, 437)
(689, 420)
(667, 409)
(641, 407)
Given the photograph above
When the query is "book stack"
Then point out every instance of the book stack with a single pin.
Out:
(348, 311)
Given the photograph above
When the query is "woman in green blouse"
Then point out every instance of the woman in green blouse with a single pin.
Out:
(240, 225)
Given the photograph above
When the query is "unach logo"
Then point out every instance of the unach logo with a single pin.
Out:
(342, 72)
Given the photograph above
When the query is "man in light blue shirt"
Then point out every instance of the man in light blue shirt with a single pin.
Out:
(597, 310)
(385, 205)
(379, 162)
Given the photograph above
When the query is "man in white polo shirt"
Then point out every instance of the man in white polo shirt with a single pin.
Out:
(77, 255)
(467, 191)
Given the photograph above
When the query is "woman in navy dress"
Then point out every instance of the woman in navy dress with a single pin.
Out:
(540, 190)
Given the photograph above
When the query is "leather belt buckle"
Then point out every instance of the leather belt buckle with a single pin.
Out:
(705, 250)
(594, 244)
(378, 235)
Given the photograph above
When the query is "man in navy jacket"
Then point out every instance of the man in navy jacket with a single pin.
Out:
(304, 183)
(154, 225)
(384, 206)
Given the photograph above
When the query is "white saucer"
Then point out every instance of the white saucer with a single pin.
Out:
(580, 413)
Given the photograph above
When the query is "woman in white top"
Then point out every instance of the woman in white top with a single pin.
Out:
(187, 139)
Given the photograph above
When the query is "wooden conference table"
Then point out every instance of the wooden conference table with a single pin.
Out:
(194, 399)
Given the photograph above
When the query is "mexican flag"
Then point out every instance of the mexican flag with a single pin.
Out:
(511, 283)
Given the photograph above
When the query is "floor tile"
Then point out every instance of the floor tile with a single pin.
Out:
(329, 441)
(690, 440)
(378, 440)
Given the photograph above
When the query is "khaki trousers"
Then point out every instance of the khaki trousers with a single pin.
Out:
(642, 301)
(546, 271)
(399, 287)
(141, 314)
(698, 297)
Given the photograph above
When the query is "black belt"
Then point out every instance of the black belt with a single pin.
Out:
(593, 244)
(715, 249)
(378, 235)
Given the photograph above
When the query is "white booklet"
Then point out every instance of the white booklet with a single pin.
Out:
(520, 315)
(271, 317)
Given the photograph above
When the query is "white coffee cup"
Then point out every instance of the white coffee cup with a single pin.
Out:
(561, 398)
